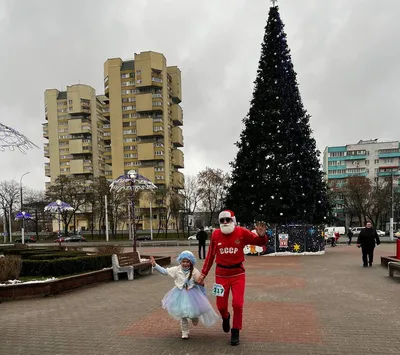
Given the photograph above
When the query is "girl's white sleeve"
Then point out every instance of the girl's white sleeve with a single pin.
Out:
(171, 271)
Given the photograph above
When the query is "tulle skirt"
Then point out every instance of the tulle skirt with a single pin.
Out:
(192, 303)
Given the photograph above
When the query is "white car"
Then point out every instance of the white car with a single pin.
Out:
(380, 233)
(192, 237)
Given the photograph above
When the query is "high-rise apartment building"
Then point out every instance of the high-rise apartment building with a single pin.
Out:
(135, 125)
(372, 159)
(144, 132)
(74, 130)
(379, 161)
(144, 117)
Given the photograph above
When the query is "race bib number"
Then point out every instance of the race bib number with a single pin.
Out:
(218, 290)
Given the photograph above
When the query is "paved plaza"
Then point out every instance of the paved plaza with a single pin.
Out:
(294, 305)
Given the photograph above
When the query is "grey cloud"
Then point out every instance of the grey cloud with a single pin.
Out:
(345, 54)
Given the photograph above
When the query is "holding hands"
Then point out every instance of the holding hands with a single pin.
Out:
(152, 261)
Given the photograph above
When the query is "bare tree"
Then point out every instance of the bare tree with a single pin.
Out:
(378, 202)
(212, 188)
(71, 190)
(191, 194)
(34, 202)
(9, 199)
(176, 205)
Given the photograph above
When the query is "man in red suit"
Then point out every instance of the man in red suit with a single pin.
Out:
(226, 246)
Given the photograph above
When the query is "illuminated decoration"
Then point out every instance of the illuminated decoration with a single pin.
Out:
(11, 139)
(296, 248)
(133, 182)
(283, 240)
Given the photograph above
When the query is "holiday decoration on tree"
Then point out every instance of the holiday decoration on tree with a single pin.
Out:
(277, 172)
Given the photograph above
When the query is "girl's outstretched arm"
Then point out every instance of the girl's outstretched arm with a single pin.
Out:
(164, 271)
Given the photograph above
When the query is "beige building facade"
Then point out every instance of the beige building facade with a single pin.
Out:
(145, 118)
(135, 125)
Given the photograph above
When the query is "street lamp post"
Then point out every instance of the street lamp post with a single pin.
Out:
(392, 209)
(22, 208)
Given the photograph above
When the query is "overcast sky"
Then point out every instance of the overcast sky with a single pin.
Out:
(345, 52)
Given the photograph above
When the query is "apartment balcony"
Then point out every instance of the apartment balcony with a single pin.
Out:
(389, 155)
(177, 115)
(144, 102)
(144, 127)
(383, 173)
(46, 150)
(177, 158)
(156, 80)
(47, 184)
(176, 84)
(145, 151)
(47, 169)
(79, 146)
(76, 126)
(177, 137)
(76, 166)
(46, 131)
(179, 181)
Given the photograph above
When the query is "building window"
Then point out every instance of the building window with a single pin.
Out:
(128, 108)
(129, 131)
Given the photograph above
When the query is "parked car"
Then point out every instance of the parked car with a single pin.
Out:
(192, 237)
(143, 237)
(380, 233)
(26, 240)
(356, 230)
(75, 239)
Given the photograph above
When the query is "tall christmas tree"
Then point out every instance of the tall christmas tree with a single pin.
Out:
(277, 172)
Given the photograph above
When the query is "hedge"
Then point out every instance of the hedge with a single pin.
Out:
(65, 266)
(59, 255)
(28, 252)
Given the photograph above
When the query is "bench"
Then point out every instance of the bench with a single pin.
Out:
(128, 263)
(393, 266)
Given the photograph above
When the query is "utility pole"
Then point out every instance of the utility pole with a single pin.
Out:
(22, 208)
(392, 208)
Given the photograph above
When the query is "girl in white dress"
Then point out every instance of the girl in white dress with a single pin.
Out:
(187, 300)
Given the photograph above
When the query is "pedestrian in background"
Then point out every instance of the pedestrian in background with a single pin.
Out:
(350, 235)
(202, 236)
(366, 241)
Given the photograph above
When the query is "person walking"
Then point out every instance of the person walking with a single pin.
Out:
(366, 241)
(187, 300)
(226, 247)
(350, 235)
(202, 236)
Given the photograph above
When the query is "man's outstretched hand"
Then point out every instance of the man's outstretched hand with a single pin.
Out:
(261, 229)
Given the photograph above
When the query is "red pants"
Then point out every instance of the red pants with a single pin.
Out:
(237, 285)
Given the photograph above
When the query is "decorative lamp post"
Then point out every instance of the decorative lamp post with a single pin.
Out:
(133, 182)
(23, 215)
(58, 207)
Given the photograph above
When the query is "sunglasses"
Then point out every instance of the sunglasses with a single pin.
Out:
(227, 220)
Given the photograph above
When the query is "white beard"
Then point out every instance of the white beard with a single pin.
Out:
(227, 228)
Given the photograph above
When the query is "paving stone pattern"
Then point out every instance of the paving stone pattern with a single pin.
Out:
(294, 305)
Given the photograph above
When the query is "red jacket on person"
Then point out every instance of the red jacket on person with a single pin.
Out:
(227, 250)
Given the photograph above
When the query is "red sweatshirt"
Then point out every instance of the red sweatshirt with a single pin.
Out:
(227, 249)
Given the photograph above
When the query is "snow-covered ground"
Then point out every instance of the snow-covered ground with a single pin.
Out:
(19, 282)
